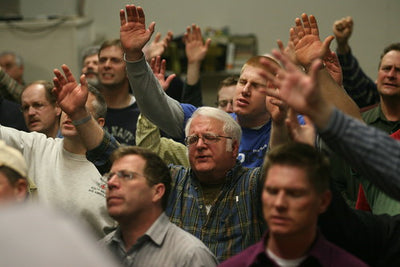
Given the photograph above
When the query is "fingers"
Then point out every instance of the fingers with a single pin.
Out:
(131, 13)
(299, 30)
(83, 81)
(306, 23)
(140, 15)
(280, 45)
(315, 67)
(152, 26)
(314, 26)
(122, 18)
(293, 36)
(68, 73)
(325, 46)
(157, 37)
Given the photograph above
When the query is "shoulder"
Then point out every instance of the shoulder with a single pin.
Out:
(337, 256)
(187, 247)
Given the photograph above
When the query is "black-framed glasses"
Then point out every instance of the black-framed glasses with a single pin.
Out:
(208, 138)
(123, 175)
(224, 103)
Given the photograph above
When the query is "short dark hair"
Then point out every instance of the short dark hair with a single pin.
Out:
(228, 81)
(387, 49)
(100, 105)
(12, 176)
(155, 170)
(108, 43)
(302, 156)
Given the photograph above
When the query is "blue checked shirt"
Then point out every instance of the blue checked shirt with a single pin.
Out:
(235, 219)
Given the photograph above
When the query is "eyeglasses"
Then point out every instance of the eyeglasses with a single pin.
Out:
(208, 138)
(224, 103)
(35, 106)
(123, 175)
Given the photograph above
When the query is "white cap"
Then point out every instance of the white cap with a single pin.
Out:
(13, 159)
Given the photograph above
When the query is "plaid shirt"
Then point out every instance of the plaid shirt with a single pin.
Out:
(235, 219)
(356, 83)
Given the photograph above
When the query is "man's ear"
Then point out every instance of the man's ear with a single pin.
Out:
(101, 122)
(21, 190)
(235, 148)
(159, 191)
(58, 110)
(326, 198)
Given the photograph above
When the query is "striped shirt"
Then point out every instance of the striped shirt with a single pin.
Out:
(235, 219)
(163, 244)
(370, 151)
(10, 88)
(356, 83)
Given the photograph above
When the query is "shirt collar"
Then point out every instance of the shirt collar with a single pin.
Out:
(155, 233)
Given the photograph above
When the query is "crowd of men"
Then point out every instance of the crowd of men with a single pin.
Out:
(295, 166)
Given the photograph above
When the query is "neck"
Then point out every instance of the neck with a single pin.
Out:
(117, 97)
(213, 177)
(291, 247)
(74, 145)
(248, 121)
(53, 131)
(391, 107)
(134, 228)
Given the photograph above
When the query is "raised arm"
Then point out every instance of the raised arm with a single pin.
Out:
(10, 88)
(158, 46)
(72, 98)
(374, 154)
(153, 102)
(196, 50)
(356, 83)
(309, 47)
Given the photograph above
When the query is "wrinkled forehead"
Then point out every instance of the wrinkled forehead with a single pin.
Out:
(203, 123)
(391, 58)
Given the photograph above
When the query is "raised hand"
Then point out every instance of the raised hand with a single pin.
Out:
(195, 48)
(300, 133)
(71, 96)
(158, 46)
(332, 64)
(288, 50)
(306, 40)
(277, 109)
(133, 32)
(299, 90)
(342, 29)
(159, 66)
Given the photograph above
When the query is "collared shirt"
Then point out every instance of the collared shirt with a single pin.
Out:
(235, 219)
(356, 83)
(321, 253)
(376, 118)
(163, 244)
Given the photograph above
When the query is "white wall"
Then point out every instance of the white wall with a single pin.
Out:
(376, 22)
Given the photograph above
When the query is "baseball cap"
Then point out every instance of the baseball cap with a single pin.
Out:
(13, 159)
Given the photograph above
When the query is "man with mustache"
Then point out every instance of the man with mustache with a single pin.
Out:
(39, 108)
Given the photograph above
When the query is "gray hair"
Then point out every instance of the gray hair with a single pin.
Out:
(89, 51)
(18, 59)
(230, 128)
